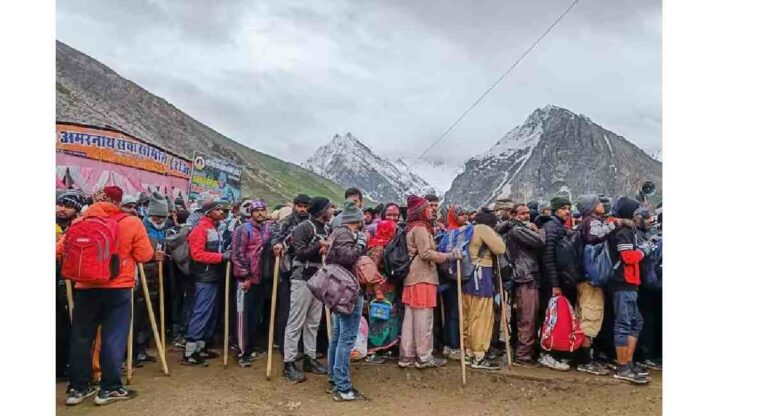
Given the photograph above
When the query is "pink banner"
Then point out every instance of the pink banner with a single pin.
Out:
(91, 175)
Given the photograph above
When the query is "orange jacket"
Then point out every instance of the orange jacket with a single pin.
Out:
(132, 246)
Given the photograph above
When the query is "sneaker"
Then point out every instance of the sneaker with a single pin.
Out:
(347, 396)
(642, 371)
(107, 397)
(258, 354)
(244, 362)
(548, 361)
(194, 360)
(405, 362)
(375, 359)
(525, 363)
(651, 364)
(208, 354)
(484, 364)
(454, 354)
(76, 396)
(591, 368)
(625, 373)
(180, 342)
(144, 357)
(432, 362)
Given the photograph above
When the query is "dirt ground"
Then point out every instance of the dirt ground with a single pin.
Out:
(389, 389)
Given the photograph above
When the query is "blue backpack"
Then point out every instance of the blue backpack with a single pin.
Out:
(597, 264)
(459, 238)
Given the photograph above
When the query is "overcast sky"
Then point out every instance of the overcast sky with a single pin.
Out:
(284, 76)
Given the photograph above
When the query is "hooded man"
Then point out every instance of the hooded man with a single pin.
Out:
(624, 283)
(250, 243)
(107, 305)
(154, 224)
(310, 245)
(590, 300)
(207, 271)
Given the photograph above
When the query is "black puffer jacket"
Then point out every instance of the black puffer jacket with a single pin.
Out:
(554, 231)
(524, 247)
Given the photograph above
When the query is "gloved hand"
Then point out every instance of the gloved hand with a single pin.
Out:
(225, 256)
(361, 239)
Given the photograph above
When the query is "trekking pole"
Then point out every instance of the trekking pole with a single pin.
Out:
(129, 364)
(504, 324)
(162, 302)
(226, 314)
(70, 300)
(442, 311)
(272, 307)
(461, 325)
(152, 321)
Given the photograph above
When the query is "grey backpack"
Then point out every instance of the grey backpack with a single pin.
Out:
(179, 248)
(336, 287)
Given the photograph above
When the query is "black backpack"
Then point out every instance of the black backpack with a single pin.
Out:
(569, 254)
(397, 262)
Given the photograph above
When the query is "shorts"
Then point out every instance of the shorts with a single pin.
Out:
(628, 321)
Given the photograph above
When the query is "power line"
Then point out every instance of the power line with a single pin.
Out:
(445, 133)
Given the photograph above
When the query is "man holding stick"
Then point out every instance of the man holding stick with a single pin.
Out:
(107, 304)
(207, 270)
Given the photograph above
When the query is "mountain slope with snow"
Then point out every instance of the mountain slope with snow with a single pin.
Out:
(554, 151)
(347, 161)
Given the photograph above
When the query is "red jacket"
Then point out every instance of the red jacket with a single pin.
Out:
(133, 246)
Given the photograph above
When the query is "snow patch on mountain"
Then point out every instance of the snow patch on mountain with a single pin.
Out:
(438, 174)
(349, 162)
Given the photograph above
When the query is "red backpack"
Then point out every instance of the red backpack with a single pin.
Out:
(90, 250)
(561, 330)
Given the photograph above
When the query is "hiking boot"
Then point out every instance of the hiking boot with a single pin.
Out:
(76, 396)
(313, 366)
(193, 360)
(525, 363)
(431, 362)
(405, 362)
(348, 396)
(208, 354)
(592, 368)
(107, 397)
(625, 373)
(484, 364)
(548, 361)
(291, 372)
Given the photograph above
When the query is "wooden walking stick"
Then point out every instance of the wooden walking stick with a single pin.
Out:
(70, 300)
(504, 323)
(272, 307)
(129, 364)
(442, 311)
(226, 314)
(162, 302)
(461, 325)
(152, 321)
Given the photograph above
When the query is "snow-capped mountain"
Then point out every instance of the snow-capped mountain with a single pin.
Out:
(555, 151)
(439, 174)
(654, 154)
(348, 162)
